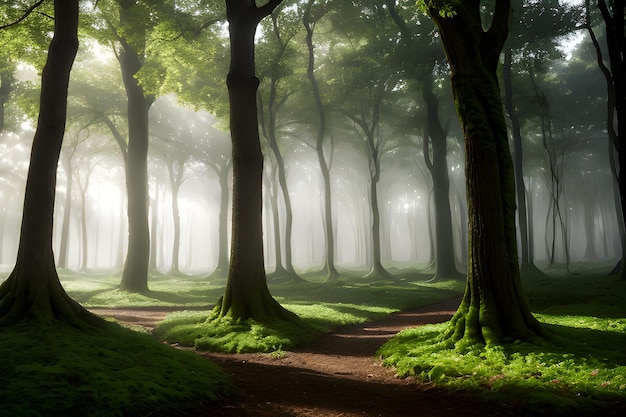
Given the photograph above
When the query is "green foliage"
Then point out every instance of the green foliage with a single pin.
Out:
(223, 334)
(444, 8)
(321, 307)
(583, 371)
(55, 369)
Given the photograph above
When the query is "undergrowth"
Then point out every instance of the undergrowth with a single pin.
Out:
(582, 373)
(223, 334)
(321, 307)
(53, 369)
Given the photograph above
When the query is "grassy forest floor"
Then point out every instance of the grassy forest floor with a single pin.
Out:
(339, 374)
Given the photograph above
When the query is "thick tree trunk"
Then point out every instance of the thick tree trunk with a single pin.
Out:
(493, 309)
(33, 289)
(135, 275)
(247, 295)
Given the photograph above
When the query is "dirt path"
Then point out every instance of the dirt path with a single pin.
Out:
(339, 376)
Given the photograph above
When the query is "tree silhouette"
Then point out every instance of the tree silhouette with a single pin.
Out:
(33, 289)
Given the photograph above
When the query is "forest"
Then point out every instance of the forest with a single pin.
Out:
(274, 207)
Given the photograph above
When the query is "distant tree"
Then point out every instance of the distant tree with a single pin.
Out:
(279, 37)
(613, 15)
(416, 41)
(310, 18)
(533, 41)
(33, 289)
(247, 294)
(493, 309)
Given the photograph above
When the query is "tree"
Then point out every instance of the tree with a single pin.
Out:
(247, 294)
(310, 18)
(613, 15)
(493, 309)
(277, 69)
(414, 38)
(33, 289)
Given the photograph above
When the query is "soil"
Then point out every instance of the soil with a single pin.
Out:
(338, 376)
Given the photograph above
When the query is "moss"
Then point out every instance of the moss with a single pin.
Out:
(53, 369)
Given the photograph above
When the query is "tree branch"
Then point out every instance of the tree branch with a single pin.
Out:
(24, 16)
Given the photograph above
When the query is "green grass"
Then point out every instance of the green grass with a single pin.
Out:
(584, 372)
(52, 369)
(320, 306)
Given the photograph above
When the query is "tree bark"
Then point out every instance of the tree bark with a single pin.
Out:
(222, 257)
(33, 289)
(493, 309)
(616, 41)
(247, 295)
(319, 147)
(135, 274)
(438, 167)
(67, 210)
(6, 86)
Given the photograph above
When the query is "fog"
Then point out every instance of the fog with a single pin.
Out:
(570, 187)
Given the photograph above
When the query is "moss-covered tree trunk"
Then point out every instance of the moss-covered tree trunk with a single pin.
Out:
(33, 289)
(493, 309)
(247, 295)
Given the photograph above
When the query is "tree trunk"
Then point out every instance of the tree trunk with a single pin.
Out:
(517, 162)
(319, 148)
(135, 275)
(222, 257)
(176, 179)
(616, 42)
(154, 224)
(33, 289)
(67, 210)
(438, 167)
(493, 309)
(282, 181)
(6, 86)
(247, 295)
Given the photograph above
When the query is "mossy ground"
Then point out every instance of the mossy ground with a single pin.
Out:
(320, 306)
(52, 369)
(583, 372)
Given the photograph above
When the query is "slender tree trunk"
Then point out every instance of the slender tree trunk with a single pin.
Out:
(154, 224)
(33, 289)
(438, 167)
(67, 210)
(319, 147)
(616, 41)
(6, 86)
(222, 256)
(493, 309)
(84, 234)
(176, 179)
(282, 180)
(247, 295)
(517, 161)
